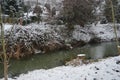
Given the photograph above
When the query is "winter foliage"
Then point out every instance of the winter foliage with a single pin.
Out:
(33, 27)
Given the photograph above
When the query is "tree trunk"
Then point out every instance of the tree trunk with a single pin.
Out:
(115, 28)
(3, 46)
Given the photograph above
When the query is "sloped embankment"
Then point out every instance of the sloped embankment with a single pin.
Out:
(42, 38)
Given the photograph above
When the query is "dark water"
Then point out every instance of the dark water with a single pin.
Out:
(50, 60)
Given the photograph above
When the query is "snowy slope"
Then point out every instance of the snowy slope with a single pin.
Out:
(105, 32)
(47, 32)
(107, 69)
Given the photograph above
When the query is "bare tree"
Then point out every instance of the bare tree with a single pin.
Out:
(108, 12)
(115, 28)
(78, 11)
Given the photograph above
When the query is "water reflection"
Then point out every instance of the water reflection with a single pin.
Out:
(97, 51)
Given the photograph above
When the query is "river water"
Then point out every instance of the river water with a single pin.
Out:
(58, 58)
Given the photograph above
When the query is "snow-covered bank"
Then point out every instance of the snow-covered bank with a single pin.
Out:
(100, 32)
(106, 69)
(104, 32)
(45, 37)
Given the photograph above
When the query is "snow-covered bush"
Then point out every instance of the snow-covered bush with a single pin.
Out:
(25, 40)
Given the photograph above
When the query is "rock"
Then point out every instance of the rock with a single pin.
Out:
(103, 21)
(95, 40)
(118, 62)
(68, 46)
(96, 68)
(115, 70)
(75, 43)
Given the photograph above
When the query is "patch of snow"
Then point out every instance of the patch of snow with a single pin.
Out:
(7, 26)
(30, 14)
(81, 33)
(104, 31)
(51, 2)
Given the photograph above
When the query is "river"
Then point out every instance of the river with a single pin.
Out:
(58, 58)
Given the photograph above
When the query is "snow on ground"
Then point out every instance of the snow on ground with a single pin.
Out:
(7, 26)
(105, 32)
(106, 69)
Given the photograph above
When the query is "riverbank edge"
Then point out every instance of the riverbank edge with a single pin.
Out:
(104, 69)
(44, 38)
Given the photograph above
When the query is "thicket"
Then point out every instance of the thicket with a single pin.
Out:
(108, 13)
(77, 12)
(12, 7)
